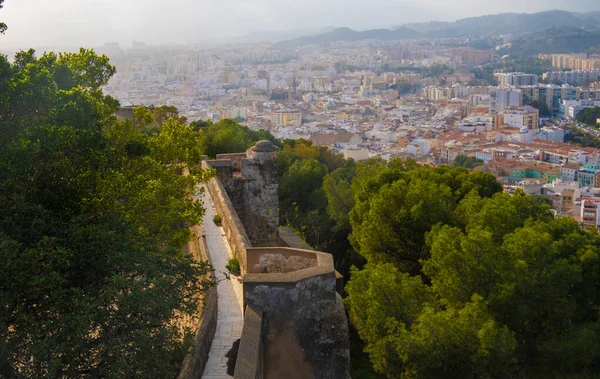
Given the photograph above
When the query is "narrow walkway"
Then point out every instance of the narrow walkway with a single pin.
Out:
(229, 319)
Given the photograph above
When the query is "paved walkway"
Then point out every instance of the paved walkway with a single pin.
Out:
(229, 319)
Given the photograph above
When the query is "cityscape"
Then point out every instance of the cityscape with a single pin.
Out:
(417, 99)
(238, 189)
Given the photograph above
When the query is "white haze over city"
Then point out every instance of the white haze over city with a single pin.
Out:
(46, 23)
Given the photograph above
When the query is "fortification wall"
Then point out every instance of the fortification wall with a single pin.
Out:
(295, 325)
(235, 158)
(232, 225)
(260, 202)
(304, 322)
(250, 359)
(194, 364)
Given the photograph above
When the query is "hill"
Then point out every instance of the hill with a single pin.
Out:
(347, 34)
(555, 40)
(508, 23)
(514, 25)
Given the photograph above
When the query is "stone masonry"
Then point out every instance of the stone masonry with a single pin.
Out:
(251, 182)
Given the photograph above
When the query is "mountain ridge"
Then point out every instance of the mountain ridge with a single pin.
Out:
(513, 24)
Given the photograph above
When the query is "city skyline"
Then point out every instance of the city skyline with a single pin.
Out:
(83, 22)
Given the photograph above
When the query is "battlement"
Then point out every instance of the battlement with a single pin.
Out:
(251, 182)
(295, 324)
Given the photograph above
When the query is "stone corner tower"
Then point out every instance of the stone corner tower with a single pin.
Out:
(261, 194)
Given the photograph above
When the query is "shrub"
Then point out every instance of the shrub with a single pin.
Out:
(217, 219)
(234, 267)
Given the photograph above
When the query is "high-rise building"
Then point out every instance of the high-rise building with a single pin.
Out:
(502, 98)
(549, 94)
(573, 77)
(520, 117)
(573, 61)
(509, 79)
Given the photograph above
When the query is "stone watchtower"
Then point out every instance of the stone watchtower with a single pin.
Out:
(261, 194)
(251, 182)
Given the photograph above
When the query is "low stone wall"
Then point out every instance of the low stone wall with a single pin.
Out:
(235, 158)
(288, 237)
(271, 260)
(304, 321)
(250, 357)
(194, 364)
(232, 225)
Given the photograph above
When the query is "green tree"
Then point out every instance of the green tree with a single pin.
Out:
(200, 125)
(164, 112)
(542, 107)
(398, 202)
(142, 116)
(467, 162)
(301, 186)
(506, 291)
(227, 136)
(3, 26)
(93, 218)
(589, 116)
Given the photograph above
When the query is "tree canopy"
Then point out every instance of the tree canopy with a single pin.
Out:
(589, 116)
(3, 26)
(464, 281)
(93, 218)
(542, 107)
(467, 162)
(227, 136)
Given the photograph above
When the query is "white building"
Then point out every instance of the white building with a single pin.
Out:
(522, 117)
(419, 148)
(508, 79)
(570, 108)
(573, 77)
(502, 98)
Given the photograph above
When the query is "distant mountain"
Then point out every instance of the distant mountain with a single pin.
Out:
(347, 34)
(514, 25)
(279, 35)
(555, 40)
(508, 24)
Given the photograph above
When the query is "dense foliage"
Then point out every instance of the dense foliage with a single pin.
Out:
(467, 162)
(464, 281)
(555, 40)
(315, 199)
(589, 116)
(93, 217)
(3, 26)
(577, 137)
(545, 111)
(227, 136)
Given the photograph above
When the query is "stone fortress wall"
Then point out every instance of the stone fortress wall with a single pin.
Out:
(194, 364)
(295, 325)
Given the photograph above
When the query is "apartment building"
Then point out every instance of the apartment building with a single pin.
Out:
(573, 61)
(286, 119)
(572, 77)
(570, 108)
(502, 98)
(590, 216)
(589, 176)
(508, 79)
(549, 94)
(518, 117)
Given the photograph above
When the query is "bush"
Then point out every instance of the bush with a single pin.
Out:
(217, 219)
(234, 267)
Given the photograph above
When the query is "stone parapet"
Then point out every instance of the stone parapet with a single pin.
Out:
(232, 225)
(304, 322)
(249, 363)
(195, 362)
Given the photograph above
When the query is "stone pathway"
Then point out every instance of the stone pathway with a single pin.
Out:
(229, 319)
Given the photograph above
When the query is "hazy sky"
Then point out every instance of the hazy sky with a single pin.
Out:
(93, 22)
